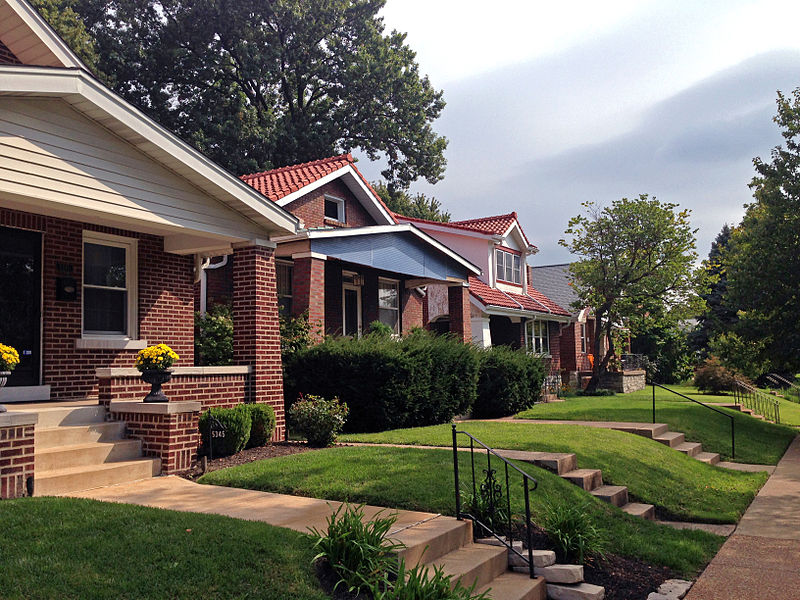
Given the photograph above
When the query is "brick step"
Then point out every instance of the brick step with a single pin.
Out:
(587, 479)
(51, 437)
(515, 586)
(473, 563)
(82, 455)
(690, 449)
(710, 458)
(65, 416)
(637, 509)
(429, 540)
(581, 591)
(613, 494)
(671, 439)
(73, 479)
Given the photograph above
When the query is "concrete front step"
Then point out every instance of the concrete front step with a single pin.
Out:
(587, 479)
(65, 416)
(710, 458)
(637, 509)
(690, 449)
(515, 586)
(557, 462)
(52, 437)
(473, 563)
(429, 540)
(613, 494)
(581, 591)
(82, 455)
(648, 430)
(72, 479)
(671, 439)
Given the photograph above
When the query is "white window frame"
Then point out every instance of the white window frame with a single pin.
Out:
(584, 339)
(341, 217)
(539, 344)
(396, 284)
(515, 264)
(131, 246)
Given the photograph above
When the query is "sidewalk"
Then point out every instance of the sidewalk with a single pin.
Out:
(762, 557)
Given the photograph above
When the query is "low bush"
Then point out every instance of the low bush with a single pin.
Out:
(712, 377)
(237, 422)
(572, 532)
(318, 420)
(213, 340)
(423, 583)
(262, 424)
(597, 392)
(509, 381)
(359, 552)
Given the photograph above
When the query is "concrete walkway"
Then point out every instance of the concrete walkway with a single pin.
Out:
(762, 557)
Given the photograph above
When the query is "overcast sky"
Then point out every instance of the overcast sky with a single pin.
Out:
(553, 104)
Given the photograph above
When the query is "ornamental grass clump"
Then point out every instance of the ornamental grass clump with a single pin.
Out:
(572, 531)
(318, 420)
(156, 358)
(9, 358)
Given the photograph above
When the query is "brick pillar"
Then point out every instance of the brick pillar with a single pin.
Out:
(256, 333)
(458, 303)
(412, 304)
(308, 293)
(16, 453)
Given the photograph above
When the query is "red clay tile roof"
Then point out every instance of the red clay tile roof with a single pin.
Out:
(532, 301)
(494, 225)
(279, 183)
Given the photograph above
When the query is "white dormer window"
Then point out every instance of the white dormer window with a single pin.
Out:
(509, 267)
(334, 209)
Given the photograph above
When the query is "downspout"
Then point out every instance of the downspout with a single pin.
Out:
(205, 264)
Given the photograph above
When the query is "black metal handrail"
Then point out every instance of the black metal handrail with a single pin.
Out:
(491, 491)
(716, 410)
(757, 401)
(782, 382)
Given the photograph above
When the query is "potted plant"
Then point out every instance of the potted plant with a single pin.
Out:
(154, 362)
(9, 359)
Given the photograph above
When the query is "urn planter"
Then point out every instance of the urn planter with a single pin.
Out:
(156, 378)
(4, 375)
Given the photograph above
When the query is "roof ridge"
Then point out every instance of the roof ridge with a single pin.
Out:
(347, 157)
(489, 218)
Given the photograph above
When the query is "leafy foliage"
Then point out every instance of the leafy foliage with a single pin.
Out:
(359, 551)
(712, 377)
(739, 354)
(571, 529)
(318, 420)
(418, 206)
(213, 336)
(257, 84)
(635, 257)
(237, 422)
(423, 583)
(382, 329)
(508, 381)
(295, 333)
(667, 347)
(262, 424)
(62, 15)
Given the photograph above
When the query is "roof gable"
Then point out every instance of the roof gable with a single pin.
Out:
(496, 225)
(31, 40)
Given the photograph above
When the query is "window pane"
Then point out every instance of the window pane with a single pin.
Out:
(104, 265)
(284, 280)
(105, 311)
(388, 296)
(509, 269)
(389, 317)
(285, 306)
(332, 209)
(517, 278)
(500, 265)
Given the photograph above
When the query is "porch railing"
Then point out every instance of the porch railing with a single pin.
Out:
(487, 509)
(792, 389)
(757, 401)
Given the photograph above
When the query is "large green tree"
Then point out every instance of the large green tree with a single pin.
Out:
(635, 258)
(764, 264)
(257, 84)
(62, 16)
(418, 206)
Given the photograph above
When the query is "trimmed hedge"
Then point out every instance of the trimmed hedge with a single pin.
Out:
(237, 422)
(262, 424)
(509, 381)
(421, 379)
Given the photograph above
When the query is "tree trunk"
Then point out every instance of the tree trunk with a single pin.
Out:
(600, 366)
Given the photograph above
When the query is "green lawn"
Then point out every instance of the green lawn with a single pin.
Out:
(68, 548)
(417, 479)
(757, 442)
(683, 487)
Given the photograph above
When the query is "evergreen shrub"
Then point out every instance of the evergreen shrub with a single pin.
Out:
(509, 381)
(237, 422)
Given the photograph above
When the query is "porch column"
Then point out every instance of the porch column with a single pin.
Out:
(458, 303)
(256, 333)
(308, 292)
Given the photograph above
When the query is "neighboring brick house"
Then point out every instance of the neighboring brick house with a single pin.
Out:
(105, 219)
(351, 263)
(505, 308)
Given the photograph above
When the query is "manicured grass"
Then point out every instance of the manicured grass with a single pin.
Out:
(757, 442)
(69, 548)
(654, 473)
(417, 479)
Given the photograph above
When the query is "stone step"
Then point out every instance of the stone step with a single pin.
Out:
(710, 458)
(587, 479)
(690, 449)
(561, 573)
(671, 438)
(581, 591)
(613, 494)
(515, 586)
(429, 540)
(81, 455)
(473, 563)
(637, 509)
(65, 416)
(73, 479)
(51, 437)
(647, 430)
(557, 462)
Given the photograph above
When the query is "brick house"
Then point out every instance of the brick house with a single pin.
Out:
(351, 263)
(105, 220)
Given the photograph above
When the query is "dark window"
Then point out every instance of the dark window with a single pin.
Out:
(105, 289)
(334, 209)
(284, 281)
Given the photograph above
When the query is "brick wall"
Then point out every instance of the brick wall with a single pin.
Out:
(165, 303)
(412, 309)
(311, 207)
(308, 292)
(7, 57)
(210, 390)
(16, 460)
(458, 303)
(333, 298)
(172, 437)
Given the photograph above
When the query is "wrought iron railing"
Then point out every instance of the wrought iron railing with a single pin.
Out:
(490, 513)
(551, 385)
(757, 401)
(716, 410)
(792, 389)
(633, 362)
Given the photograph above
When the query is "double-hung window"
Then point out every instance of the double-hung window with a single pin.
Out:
(509, 267)
(538, 337)
(284, 283)
(389, 303)
(109, 285)
(584, 339)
